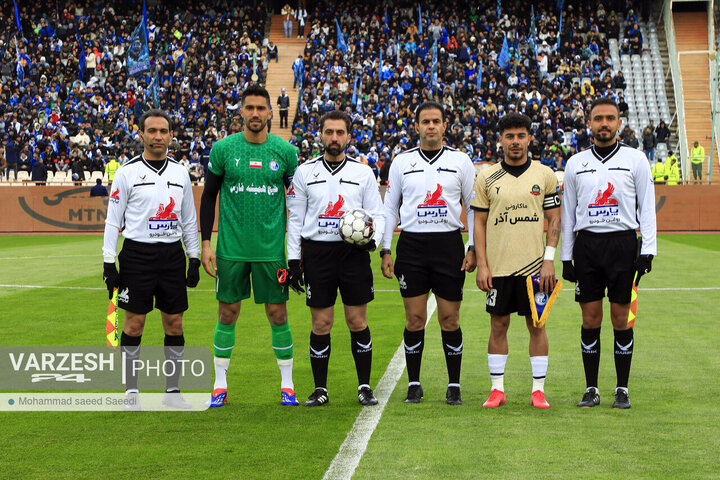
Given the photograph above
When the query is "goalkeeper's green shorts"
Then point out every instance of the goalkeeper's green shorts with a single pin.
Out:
(233, 281)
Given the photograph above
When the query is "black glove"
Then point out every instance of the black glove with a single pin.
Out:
(368, 247)
(569, 271)
(193, 273)
(643, 265)
(110, 277)
(295, 276)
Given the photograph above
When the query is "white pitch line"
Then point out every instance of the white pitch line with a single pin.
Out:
(353, 448)
(431, 299)
(49, 256)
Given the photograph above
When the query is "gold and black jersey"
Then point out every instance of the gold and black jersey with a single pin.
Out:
(515, 199)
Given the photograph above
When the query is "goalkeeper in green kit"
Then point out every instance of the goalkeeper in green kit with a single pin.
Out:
(250, 170)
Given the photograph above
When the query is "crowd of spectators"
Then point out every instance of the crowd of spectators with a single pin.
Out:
(203, 52)
(469, 37)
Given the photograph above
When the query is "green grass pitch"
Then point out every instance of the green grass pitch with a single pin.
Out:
(672, 430)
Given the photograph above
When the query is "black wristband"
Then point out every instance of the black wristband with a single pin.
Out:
(385, 251)
(471, 248)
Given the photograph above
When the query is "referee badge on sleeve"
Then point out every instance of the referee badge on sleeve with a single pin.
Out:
(543, 303)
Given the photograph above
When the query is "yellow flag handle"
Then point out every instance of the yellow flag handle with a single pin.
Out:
(111, 326)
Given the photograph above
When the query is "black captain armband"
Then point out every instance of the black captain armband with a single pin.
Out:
(385, 251)
(551, 201)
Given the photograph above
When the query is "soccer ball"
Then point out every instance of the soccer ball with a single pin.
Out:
(356, 227)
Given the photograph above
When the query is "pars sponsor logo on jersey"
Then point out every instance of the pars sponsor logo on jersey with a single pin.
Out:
(115, 196)
(433, 206)
(274, 165)
(164, 218)
(604, 208)
(331, 216)
(291, 192)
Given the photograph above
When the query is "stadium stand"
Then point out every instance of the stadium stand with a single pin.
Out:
(554, 88)
(204, 59)
(203, 52)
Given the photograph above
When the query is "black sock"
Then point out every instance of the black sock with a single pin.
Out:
(130, 347)
(361, 346)
(590, 346)
(414, 344)
(453, 346)
(320, 358)
(623, 355)
(174, 351)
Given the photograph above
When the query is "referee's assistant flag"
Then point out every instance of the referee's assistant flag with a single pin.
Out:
(543, 303)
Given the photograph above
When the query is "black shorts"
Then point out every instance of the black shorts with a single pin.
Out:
(328, 266)
(428, 261)
(604, 260)
(508, 295)
(150, 270)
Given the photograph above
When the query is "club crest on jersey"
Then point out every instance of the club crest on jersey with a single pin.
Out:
(274, 165)
(331, 216)
(433, 205)
(164, 218)
(604, 206)
(115, 196)
(535, 190)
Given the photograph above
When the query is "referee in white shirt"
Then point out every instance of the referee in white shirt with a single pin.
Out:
(323, 189)
(427, 187)
(608, 194)
(151, 202)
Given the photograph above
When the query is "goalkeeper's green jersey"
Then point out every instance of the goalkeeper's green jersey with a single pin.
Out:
(252, 221)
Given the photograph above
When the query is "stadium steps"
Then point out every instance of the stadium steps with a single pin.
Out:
(669, 88)
(280, 74)
(691, 36)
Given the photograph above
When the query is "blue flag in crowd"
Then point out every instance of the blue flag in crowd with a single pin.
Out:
(498, 11)
(83, 58)
(380, 70)
(354, 97)
(479, 75)
(342, 46)
(397, 51)
(387, 22)
(559, 30)
(419, 20)
(504, 56)
(145, 21)
(560, 4)
(17, 19)
(433, 67)
(18, 65)
(153, 90)
(533, 32)
(138, 55)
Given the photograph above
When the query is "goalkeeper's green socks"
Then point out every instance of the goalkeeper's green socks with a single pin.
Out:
(223, 345)
(282, 344)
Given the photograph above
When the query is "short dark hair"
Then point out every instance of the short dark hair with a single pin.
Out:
(429, 105)
(604, 101)
(154, 112)
(255, 90)
(336, 115)
(514, 120)
(98, 181)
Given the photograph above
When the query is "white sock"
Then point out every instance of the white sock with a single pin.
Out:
(539, 370)
(286, 367)
(621, 388)
(496, 363)
(221, 368)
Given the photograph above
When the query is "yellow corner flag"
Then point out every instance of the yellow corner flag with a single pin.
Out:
(540, 299)
(111, 326)
(633, 304)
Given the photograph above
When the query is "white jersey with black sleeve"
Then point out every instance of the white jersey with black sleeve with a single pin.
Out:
(428, 193)
(151, 206)
(320, 195)
(608, 194)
